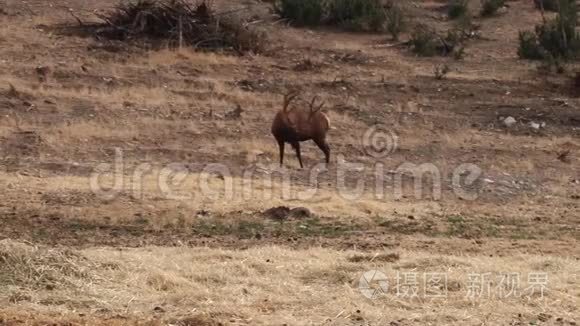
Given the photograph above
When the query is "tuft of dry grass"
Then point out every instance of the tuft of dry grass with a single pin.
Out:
(266, 285)
(33, 267)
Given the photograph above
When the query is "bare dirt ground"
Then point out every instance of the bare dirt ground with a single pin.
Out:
(143, 257)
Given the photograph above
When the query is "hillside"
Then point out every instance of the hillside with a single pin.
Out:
(172, 243)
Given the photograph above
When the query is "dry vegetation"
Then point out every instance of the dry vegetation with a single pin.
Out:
(155, 256)
(268, 285)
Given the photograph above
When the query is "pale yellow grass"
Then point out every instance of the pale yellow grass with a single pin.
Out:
(473, 137)
(202, 59)
(254, 148)
(174, 187)
(140, 95)
(273, 285)
(83, 131)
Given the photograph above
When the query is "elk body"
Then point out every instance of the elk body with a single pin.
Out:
(297, 125)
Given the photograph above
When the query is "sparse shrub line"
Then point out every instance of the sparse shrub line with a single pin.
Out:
(554, 40)
(355, 15)
(178, 23)
(426, 42)
(490, 7)
(457, 8)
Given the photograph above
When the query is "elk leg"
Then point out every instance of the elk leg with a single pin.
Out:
(281, 146)
(296, 146)
(323, 145)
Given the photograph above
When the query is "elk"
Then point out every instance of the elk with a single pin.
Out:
(297, 125)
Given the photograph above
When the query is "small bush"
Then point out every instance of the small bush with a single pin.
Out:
(554, 39)
(529, 48)
(427, 43)
(358, 15)
(490, 7)
(424, 41)
(548, 5)
(464, 24)
(301, 12)
(396, 21)
(363, 15)
(459, 53)
(168, 22)
(440, 71)
(457, 8)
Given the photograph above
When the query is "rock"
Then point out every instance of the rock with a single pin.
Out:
(235, 113)
(564, 156)
(277, 213)
(509, 121)
(42, 72)
(535, 125)
(300, 213)
(202, 212)
(544, 317)
(284, 213)
(379, 257)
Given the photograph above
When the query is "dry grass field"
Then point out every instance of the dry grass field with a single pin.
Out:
(108, 215)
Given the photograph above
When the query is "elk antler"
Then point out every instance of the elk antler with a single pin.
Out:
(288, 98)
(314, 109)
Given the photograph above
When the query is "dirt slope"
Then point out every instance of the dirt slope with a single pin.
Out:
(173, 110)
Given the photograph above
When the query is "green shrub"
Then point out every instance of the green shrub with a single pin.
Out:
(528, 48)
(301, 12)
(396, 21)
(457, 8)
(360, 15)
(490, 7)
(426, 42)
(464, 23)
(548, 5)
(554, 39)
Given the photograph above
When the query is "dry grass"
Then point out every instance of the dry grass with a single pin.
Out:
(254, 149)
(156, 106)
(270, 285)
(87, 130)
(200, 59)
(191, 191)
